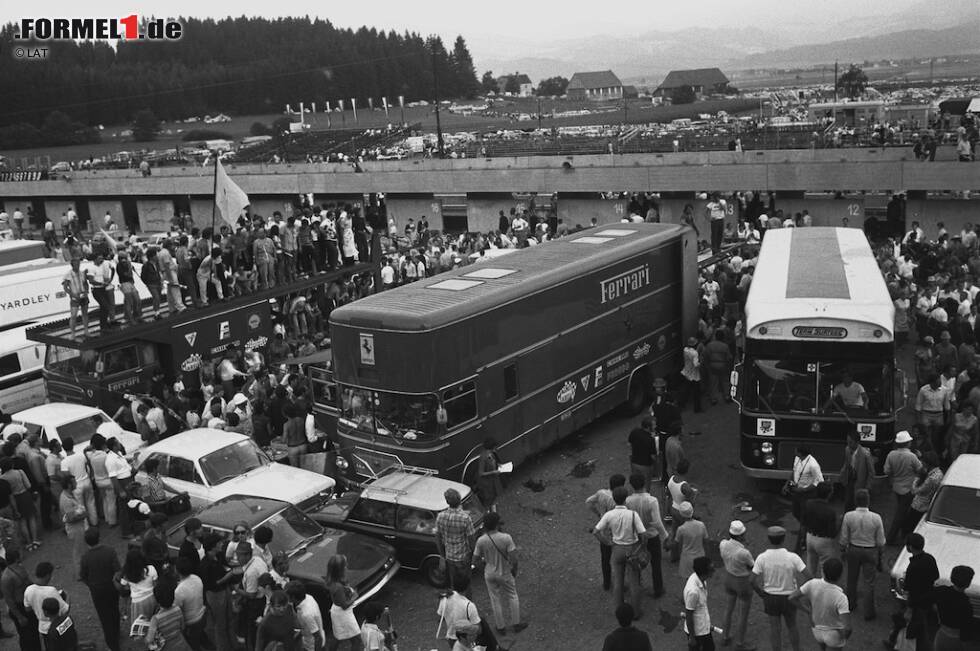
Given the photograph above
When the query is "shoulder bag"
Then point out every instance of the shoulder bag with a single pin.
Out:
(639, 556)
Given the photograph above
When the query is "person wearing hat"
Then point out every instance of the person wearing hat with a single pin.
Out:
(75, 284)
(901, 467)
(774, 580)
(691, 375)
(738, 563)
(688, 539)
(697, 619)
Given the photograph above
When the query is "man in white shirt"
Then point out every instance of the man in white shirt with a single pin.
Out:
(692, 376)
(848, 394)
(387, 275)
(308, 615)
(827, 605)
(774, 580)
(37, 592)
(100, 279)
(862, 537)
(625, 528)
(455, 609)
(715, 211)
(697, 619)
(807, 475)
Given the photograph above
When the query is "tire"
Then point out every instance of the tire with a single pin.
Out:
(433, 574)
(638, 398)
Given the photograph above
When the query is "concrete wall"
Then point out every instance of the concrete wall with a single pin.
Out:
(483, 210)
(97, 208)
(412, 206)
(579, 212)
(155, 214)
(54, 208)
(954, 213)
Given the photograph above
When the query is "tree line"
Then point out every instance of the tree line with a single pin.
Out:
(234, 65)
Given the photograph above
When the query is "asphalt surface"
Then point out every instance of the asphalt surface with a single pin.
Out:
(559, 584)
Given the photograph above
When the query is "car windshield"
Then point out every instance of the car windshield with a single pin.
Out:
(291, 530)
(408, 417)
(232, 460)
(809, 386)
(956, 506)
(82, 429)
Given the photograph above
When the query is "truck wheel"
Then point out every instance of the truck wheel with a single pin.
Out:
(638, 397)
(434, 575)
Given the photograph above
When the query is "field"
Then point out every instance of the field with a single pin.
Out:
(637, 111)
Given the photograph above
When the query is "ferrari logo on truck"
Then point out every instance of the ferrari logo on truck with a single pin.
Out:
(367, 349)
(625, 283)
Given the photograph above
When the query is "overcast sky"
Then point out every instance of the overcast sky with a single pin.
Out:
(513, 18)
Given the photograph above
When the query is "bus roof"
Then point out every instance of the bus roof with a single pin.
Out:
(815, 273)
(449, 297)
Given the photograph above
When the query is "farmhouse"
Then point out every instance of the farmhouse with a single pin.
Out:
(704, 81)
(595, 85)
(526, 87)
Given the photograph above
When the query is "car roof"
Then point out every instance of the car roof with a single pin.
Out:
(229, 510)
(194, 442)
(55, 413)
(411, 489)
(965, 471)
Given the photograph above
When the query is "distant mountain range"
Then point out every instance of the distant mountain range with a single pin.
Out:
(923, 30)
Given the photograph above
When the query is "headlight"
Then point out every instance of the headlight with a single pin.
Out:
(767, 447)
(342, 463)
(769, 460)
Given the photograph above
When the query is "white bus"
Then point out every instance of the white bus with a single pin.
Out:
(818, 310)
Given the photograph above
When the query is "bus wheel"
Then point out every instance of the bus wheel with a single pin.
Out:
(434, 575)
(638, 398)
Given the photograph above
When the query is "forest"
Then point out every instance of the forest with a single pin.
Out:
(238, 66)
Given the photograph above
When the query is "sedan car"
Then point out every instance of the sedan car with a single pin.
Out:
(209, 464)
(400, 506)
(951, 527)
(308, 546)
(59, 420)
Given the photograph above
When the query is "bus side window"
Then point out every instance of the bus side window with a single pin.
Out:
(9, 364)
(460, 404)
(510, 381)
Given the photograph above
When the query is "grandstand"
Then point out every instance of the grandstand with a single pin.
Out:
(332, 145)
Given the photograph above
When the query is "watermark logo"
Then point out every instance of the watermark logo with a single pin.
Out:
(130, 28)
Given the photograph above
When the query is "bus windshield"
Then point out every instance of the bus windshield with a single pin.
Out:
(812, 386)
(410, 417)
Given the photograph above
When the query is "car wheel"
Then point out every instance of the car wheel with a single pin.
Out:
(433, 573)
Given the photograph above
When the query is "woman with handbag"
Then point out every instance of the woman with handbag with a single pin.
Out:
(74, 517)
(165, 632)
(343, 623)
(137, 579)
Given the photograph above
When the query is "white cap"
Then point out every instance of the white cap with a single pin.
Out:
(903, 437)
(736, 528)
(686, 509)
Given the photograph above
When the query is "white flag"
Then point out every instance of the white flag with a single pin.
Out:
(230, 199)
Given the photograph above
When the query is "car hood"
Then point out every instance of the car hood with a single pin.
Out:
(279, 482)
(951, 546)
(366, 557)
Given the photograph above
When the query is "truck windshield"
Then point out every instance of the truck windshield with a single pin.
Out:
(404, 416)
(811, 386)
(71, 361)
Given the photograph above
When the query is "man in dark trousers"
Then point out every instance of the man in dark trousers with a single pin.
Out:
(62, 636)
(98, 567)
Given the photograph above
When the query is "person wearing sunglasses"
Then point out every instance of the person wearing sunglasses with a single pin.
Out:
(239, 533)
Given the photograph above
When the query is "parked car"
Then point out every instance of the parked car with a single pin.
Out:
(59, 420)
(951, 527)
(209, 464)
(400, 506)
(308, 546)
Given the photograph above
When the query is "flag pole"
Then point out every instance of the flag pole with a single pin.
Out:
(214, 209)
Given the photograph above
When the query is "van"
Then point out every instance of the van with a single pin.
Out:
(21, 361)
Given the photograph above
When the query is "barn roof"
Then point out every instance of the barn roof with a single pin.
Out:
(706, 77)
(598, 79)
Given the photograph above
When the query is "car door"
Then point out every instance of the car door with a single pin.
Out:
(182, 475)
(374, 518)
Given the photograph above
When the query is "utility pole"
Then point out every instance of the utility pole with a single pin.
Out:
(835, 82)
(435, 86)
